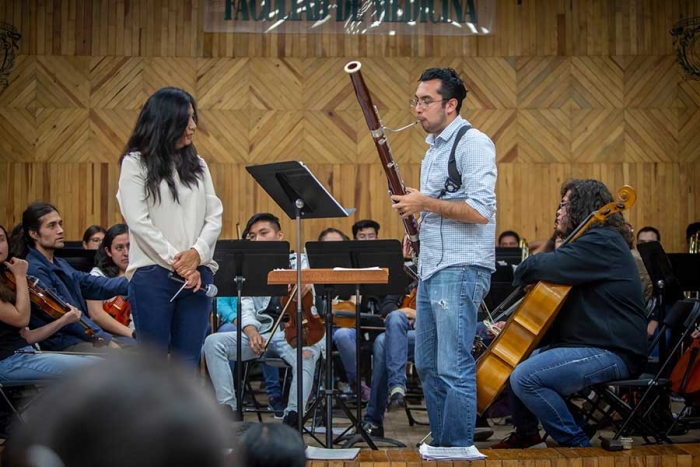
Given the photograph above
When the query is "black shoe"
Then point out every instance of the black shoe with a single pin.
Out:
(291, 418)
(231, 414)
(376, 431)
(396, 402)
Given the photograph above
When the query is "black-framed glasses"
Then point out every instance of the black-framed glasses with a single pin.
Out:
(424, 102)
(563, 204)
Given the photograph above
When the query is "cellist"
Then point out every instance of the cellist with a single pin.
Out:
(599, 334)
(257, 319)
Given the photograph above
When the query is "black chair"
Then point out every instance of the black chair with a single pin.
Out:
(16, 396)
(642, 405)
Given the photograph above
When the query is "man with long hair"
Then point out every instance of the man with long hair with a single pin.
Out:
(38, 237)
(599, 334)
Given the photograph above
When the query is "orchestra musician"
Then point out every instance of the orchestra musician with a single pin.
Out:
(258, 315)
(40, 235)
(111, 260)
(15, 311)
(457, 254)
(600, 333)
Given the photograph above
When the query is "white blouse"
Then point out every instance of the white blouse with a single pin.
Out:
(160, 230)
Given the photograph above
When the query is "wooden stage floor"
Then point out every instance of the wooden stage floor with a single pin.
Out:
(671, 455)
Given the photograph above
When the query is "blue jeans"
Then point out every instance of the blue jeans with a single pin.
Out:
(179, 326)
(271, 375)
(344, 341)
(391, 351)
(540, 384)
(447, 306)
(30, 367)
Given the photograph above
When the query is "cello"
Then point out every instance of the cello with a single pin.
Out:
(529, 322)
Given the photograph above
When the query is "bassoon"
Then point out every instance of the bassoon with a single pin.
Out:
(391, 168)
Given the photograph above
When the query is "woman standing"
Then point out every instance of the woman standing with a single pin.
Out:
(167, 197)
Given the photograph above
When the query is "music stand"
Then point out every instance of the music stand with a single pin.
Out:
(299, 194)
(79, 258)
(687, 267)
(667, 288)
(355, 254)
(248, 263)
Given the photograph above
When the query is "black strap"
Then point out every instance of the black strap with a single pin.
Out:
(454, 178)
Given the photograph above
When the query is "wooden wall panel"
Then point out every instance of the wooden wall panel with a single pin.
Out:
(527, 193)
(565, 88)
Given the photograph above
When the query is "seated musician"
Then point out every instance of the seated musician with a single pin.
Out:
(392, 349)
(227, 309)
(41, 233)
(93, 236)
(599, 334)
(15, 312)
(509, 239)
(112, 258)
(257, 320)
(344, 339)
(332, 234)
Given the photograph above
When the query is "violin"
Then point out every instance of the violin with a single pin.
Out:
(119, 309)
(312, 326)
(46, 300)
(409, 301)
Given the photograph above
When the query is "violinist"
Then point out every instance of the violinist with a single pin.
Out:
(257, 320)
(15, 312)
(40, 234)
(599, 334)
(111, 260)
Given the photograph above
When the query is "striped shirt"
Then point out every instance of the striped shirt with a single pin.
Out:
(448, 242)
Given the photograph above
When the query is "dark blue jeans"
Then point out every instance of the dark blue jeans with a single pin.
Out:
(391, 351)
(178, 327)
(540, 384)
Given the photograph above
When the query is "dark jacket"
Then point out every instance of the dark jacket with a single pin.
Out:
(73, 287)
(605, 308)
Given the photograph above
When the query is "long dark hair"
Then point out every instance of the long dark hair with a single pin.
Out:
(21, 241)
(6, 295)
(161, 124)
(103, 261)
(587, 196)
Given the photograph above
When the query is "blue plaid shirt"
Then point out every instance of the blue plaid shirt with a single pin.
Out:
(448, 242)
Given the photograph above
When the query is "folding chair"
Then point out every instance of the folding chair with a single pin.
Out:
(647, 415)
(17, 396)
(248, 388)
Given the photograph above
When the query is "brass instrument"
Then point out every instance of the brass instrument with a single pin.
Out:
(524, 248)
(694, 249)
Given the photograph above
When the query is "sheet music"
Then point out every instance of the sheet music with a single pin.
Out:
(432, 453)
(313, 453)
